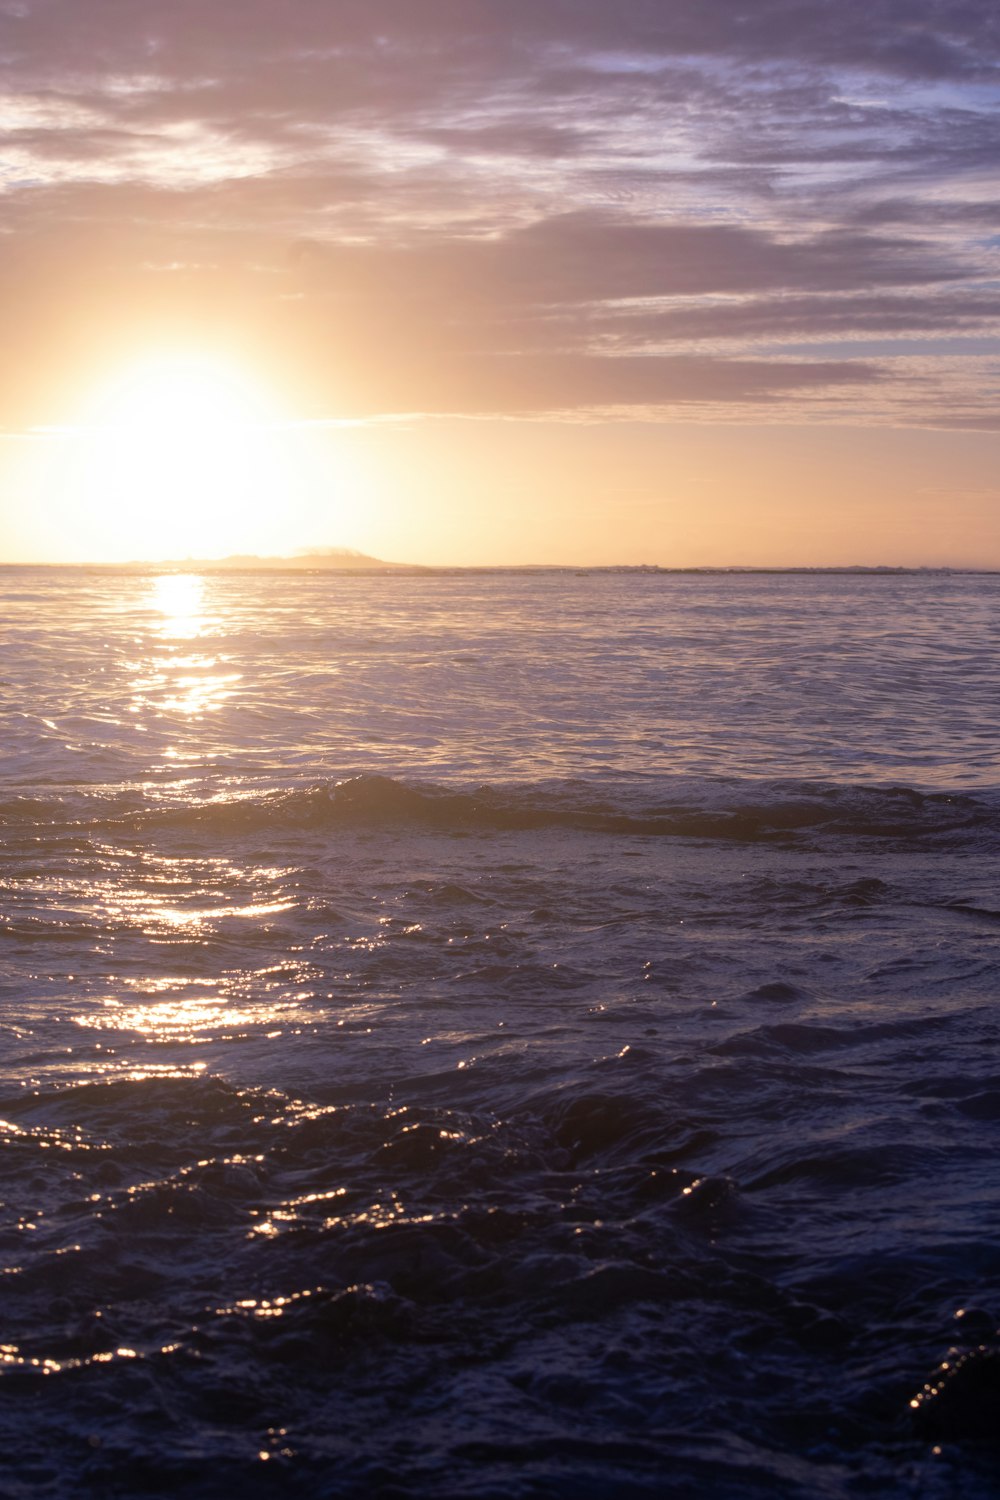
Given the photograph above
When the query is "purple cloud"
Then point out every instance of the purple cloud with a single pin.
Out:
(565, 200)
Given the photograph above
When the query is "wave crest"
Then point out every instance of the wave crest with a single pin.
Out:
(729, 810)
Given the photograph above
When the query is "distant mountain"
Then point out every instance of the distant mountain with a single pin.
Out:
(336, 559)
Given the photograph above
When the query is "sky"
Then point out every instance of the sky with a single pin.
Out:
(687, 282)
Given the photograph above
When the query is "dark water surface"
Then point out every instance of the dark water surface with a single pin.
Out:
(499, 1036)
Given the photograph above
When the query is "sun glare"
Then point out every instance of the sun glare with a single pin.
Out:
(179, 598)
(195, 394)
(181, 456)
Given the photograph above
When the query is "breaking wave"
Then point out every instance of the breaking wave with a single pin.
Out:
(748, 811)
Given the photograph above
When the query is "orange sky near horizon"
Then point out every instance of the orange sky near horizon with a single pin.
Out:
(459, 493)
(444, 284)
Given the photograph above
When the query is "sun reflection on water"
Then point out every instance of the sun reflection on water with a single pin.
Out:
(204, 918)
(186, 1010)
(170, 682)
(180, 598)
(171, 1021)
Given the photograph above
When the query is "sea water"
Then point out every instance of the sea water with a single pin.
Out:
(499, 1034)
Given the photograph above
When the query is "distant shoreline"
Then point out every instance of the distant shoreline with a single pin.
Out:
(373, 567)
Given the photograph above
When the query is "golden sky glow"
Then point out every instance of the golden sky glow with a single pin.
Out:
(545, 283)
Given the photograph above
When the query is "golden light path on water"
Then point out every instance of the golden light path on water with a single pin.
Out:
(180, 597)
(168, 681)
(178, 1009)
(179, 904)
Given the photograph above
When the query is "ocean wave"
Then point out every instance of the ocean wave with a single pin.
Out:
(724, 809)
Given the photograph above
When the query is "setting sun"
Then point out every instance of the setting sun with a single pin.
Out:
(197, 393)
(181, 455)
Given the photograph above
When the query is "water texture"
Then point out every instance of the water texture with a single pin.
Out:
(497, 1035)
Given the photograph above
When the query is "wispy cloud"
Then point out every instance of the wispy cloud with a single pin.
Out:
(513, 208)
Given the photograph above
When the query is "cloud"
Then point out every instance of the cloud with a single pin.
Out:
(546, 205)
(455, 383)
(974, 214)
(816, 316)
(908, 38)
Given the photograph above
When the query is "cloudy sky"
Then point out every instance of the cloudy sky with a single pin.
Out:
(681, 281)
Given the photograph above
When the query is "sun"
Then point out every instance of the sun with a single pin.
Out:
(193, 393)
(179, 455)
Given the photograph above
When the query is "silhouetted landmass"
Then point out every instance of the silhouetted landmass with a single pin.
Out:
(343, 560)
(348, 560)
(337, 559)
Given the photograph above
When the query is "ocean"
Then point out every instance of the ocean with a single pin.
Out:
(499, 1035)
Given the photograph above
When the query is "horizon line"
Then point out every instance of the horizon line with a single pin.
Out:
(338, 562)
